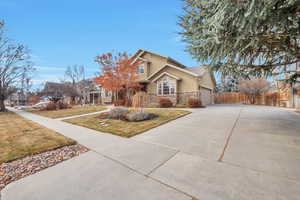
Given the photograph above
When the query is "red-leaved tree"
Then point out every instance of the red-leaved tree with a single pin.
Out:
(33, 99)
(119, 74)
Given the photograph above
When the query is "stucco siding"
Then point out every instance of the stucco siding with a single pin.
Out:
(188, 83)
(152, 64)
(144, 75)
(206, 81)
(156, 62)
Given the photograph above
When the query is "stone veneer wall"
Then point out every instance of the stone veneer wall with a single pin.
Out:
(178, 98)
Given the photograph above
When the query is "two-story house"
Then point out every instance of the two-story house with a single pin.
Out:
(163, 76)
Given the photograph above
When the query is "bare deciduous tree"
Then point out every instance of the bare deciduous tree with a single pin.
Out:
(14, 66)
(254, 88)
(75, 73)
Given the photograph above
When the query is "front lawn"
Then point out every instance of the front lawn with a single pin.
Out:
(128, 129)
(20, 137)
(76, 110)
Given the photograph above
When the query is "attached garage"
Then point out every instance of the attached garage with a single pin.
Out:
(206, 96)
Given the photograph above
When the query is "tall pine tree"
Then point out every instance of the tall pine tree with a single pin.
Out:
(244, 37)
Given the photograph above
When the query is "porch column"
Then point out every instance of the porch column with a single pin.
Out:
(93, 98)
(99, 96)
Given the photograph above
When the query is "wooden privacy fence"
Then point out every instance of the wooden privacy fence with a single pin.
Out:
(270, 99)
(230, 98)
(140, 100)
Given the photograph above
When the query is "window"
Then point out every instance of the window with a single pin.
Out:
(172, 88)
(141, 69)
(107, 93)
(159, 89)
(166, 88)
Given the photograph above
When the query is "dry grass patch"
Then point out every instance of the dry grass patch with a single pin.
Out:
(128, 129)
(76, 110)
(20, 137)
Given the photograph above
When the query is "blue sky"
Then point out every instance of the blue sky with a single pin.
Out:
(66, 32)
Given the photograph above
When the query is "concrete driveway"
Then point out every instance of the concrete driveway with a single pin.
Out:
(221, 152)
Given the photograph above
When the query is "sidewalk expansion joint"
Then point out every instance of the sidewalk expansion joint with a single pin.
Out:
(160, 165)
(145, 175)
(229, 136)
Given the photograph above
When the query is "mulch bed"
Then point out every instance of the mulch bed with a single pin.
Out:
(29, 165)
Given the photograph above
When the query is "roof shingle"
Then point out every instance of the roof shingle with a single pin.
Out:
(197, 70)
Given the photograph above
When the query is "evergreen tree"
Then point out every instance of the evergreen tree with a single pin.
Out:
(244, 37)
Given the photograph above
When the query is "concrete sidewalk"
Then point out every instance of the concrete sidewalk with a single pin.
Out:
(89, 176)
(83, 115)
(108, 107)
(258, 148)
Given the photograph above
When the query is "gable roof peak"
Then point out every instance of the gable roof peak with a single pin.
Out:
(141, 51)
(199, 70)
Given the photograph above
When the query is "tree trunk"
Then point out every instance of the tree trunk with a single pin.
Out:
(253, 99)
(2, 106)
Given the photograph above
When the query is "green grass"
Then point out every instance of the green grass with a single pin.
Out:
(76, 110)
(128, 129)
(20, 137)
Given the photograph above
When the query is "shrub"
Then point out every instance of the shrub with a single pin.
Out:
(118, 113)
(194, 103)
(72, 102)
(165, 103)
(128, 102)
(140, 116)
(61, 105)
(50, 106)
(34, 99)
(56, 106)
(127, 115)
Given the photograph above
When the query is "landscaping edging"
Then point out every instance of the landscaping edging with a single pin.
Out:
(29, 165)
(125, 128)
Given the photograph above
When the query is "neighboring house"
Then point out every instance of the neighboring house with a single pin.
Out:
(93, 93)
(53, 90)
(17, 98)
(85, 92)
(163, 76)
(289, 95)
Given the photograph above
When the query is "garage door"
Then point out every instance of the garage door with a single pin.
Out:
(206, 96)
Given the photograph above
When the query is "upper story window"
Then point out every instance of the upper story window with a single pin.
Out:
(141, 69)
